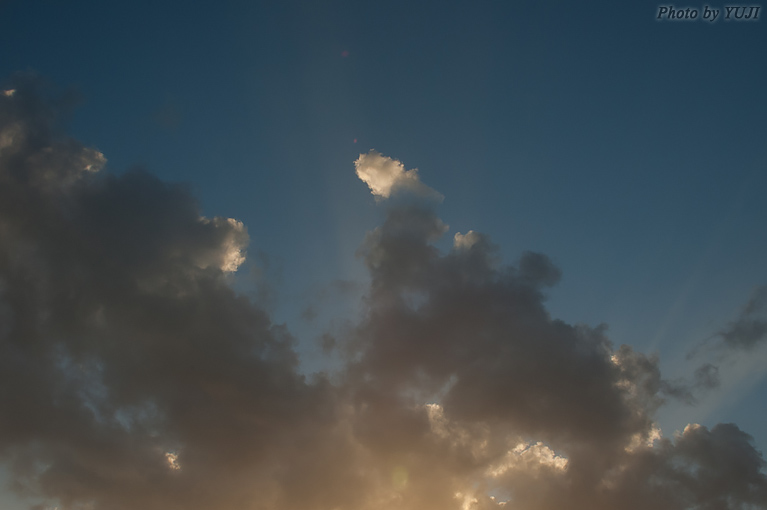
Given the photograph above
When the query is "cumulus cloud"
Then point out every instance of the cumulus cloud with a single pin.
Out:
(132, 376)
(478, 339)
(386, 176)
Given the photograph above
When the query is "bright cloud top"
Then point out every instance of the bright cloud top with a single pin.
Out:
(386, 176)
(466, 241)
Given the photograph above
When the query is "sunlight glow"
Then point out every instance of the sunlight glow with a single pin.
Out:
(529, 457)
(172, 459)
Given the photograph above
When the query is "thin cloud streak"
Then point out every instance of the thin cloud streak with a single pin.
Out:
(749, 330)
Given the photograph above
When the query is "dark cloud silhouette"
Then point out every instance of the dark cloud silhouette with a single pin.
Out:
(478, 332)
(123, 344)
(133, 377)
(750, 328)
(743, 335)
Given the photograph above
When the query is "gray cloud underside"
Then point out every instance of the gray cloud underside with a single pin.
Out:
(133, 377)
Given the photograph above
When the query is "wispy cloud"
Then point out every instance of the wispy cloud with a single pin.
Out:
(750, 328)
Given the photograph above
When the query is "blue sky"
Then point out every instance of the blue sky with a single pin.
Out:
(630, 151)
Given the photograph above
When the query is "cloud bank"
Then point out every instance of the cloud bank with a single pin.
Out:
(133, 377)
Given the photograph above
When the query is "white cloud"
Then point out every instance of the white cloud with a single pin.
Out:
(172, 460)
(466, 241)
(385, 176)
(529, 457)
(93, 160)
(228, 252)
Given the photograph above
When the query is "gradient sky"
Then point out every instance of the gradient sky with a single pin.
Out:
(612, 167)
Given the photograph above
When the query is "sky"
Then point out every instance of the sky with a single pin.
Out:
(354, 255)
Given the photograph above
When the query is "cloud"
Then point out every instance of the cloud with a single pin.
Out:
(750, 328)
(386, 176)
(464, 330)
(482, 332)
(133, 376)
(745, 334)
(121, 341)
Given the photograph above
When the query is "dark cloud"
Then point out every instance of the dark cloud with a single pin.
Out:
(743, 335)
(705, 378)
(478, 333)
(122, 341)
(473, 336)
(750, 328)
(132, 376)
